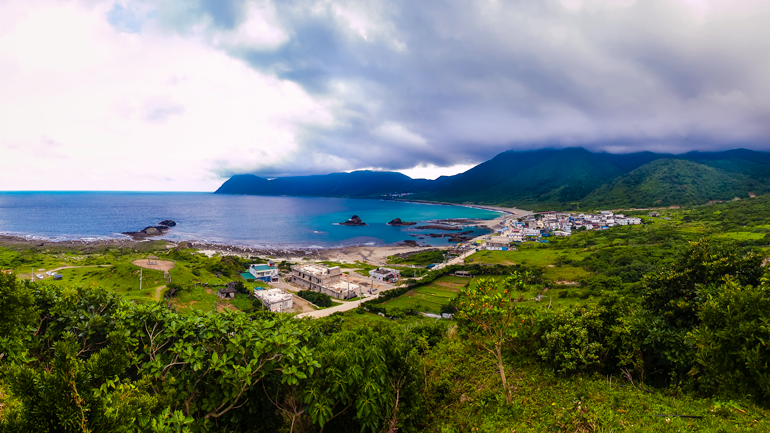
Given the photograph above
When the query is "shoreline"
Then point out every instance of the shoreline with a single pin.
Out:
(343, 253)
(374, 254)
(508, 210)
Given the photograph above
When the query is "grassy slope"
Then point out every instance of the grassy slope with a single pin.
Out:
(192, 272)
(466, 388)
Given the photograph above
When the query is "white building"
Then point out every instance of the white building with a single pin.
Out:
(385, 274)
(265, 273)
(275, 299)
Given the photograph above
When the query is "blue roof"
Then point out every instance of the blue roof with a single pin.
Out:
(262, 267)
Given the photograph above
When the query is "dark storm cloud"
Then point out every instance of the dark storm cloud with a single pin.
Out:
(448, 82)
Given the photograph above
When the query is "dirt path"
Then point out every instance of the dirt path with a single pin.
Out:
(158, 291)
(63, 267)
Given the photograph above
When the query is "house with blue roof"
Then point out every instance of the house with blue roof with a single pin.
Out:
(266, 273)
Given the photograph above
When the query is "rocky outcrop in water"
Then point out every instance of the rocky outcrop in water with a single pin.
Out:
(398, 223)
(453, 237)
(151, 231)
(438, 227)
(353, 221)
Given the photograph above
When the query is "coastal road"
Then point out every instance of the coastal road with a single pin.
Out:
(345, 306)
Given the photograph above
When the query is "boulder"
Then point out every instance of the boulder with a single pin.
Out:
(167, 223)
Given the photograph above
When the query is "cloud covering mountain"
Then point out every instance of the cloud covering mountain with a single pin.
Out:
(299, 87)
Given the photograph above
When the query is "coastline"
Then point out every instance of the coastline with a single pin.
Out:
(508, 210)
(339, 253)
(376, 254)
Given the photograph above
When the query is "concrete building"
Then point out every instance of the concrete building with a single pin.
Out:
(275, 299)
(320, 278)
(265, 273)
(385, 274)
(341, 290)
(498, 243)
(313, 276)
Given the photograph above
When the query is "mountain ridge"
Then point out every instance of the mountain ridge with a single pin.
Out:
(547, 179)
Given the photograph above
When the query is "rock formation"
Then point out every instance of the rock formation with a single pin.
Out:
(398, 223)
(353, 221)
(151, 231)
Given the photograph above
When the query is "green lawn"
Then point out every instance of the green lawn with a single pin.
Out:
(539, 256)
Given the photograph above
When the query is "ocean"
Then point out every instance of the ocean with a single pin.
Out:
(253, 221)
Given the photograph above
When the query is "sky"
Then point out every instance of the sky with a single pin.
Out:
(171, 95)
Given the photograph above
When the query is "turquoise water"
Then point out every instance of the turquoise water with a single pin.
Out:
(256, 221)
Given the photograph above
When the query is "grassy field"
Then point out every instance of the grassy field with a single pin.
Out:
(548, 258)
(112, 269)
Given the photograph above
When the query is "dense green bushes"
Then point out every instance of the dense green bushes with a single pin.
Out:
(317, 298)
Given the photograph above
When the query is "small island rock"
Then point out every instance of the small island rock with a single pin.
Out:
(397, 222)
(353, 221)
(151, 231)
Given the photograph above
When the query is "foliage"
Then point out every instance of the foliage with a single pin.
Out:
(422, 258)
(18, 314)
(488, 312)
(676, 291)
(732, 341)
(570, 340)
(317, 298)
(369, 381)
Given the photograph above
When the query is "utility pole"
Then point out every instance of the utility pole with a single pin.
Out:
(140, 279)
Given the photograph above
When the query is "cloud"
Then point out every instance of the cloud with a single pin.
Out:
(315, 86)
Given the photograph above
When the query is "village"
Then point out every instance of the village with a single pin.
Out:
(536, 227)
(331, 281)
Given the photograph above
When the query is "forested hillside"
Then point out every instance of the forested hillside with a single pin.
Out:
(549, 179)
(667, 182)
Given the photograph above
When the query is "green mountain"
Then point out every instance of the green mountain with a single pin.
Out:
(549, 179)
(358, 184)
(666, 182)
(527, 178)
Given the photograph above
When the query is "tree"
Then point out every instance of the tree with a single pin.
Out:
(18, 312)
(487, 312)
(733, 341)
(676, 291)
(367, 381)
(673, 298)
